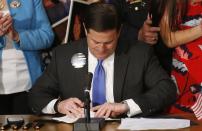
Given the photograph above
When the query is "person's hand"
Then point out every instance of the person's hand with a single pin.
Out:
(5, 23)
(110, 109)
(148, 33)
(71, 107)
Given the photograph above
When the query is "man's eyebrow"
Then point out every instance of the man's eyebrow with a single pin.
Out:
(101, 42)
(95, 40)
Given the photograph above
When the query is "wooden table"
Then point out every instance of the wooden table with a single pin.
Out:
(110, 126)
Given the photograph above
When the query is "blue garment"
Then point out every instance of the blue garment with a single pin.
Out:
(99, 89)
(35, 33)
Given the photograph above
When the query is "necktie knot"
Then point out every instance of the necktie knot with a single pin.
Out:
(100, 62)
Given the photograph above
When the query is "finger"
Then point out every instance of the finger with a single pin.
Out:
(4, 22)
(77, 110)
(96, 108)
(102, 111)
(149, 16)
(8, 20)
(74, 109)
(108, 113)
(155, 38)
(69, 114)
(71, 111)
(78, 102)
(76, 113)
(148, 22)
(155, 29)
(151, 41)
(150, 35)
(3, 19)
(4, 29)
(75, 105)
(8, 26)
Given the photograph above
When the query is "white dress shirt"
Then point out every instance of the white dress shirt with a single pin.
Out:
(14, 74)
(108, 65)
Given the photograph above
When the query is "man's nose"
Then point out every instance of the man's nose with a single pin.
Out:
(102, 46)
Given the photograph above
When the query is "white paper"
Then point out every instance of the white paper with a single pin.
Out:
(155, 124)
(68, 119)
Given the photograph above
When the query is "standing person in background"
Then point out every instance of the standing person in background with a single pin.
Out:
(23, 32)
(56, 9)
(140, 25)
(181, 29)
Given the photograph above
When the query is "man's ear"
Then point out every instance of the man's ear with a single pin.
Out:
(85, 29)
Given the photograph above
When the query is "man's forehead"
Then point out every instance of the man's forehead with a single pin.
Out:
(104, 31)
(105, 36)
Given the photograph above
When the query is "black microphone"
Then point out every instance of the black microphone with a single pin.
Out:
(88, 123)
(89, 77)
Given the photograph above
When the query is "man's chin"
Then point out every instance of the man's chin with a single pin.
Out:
(101, 57)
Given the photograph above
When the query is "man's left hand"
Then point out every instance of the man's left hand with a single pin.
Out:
(110, 109)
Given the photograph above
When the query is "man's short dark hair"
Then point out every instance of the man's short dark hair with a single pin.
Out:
(101, 17)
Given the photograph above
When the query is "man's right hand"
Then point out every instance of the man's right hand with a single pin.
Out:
(71, 107)
(148, 33)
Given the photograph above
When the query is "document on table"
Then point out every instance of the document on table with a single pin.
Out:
(149, 123)
(68, 119)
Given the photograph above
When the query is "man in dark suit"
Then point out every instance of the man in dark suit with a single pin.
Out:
(135, 83)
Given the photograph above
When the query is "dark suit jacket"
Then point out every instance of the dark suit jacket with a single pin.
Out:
(137, 75)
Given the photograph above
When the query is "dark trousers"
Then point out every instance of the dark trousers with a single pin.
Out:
(16, 103)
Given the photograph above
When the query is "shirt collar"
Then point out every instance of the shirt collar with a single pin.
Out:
(94, 59)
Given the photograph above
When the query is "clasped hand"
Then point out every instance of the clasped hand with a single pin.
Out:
(73, 107)
(5, 23)
(6, 27)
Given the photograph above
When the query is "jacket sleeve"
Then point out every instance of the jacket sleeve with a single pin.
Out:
(160, 89)
(40, 35)
(45, 89)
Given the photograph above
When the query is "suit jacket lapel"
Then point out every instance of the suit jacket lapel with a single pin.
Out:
(120, 68)
(80, 74)
(85, 68)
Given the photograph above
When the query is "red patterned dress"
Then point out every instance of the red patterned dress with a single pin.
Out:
(187, 64)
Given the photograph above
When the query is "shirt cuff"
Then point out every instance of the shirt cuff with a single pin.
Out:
(133, 108)
(49, 109)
